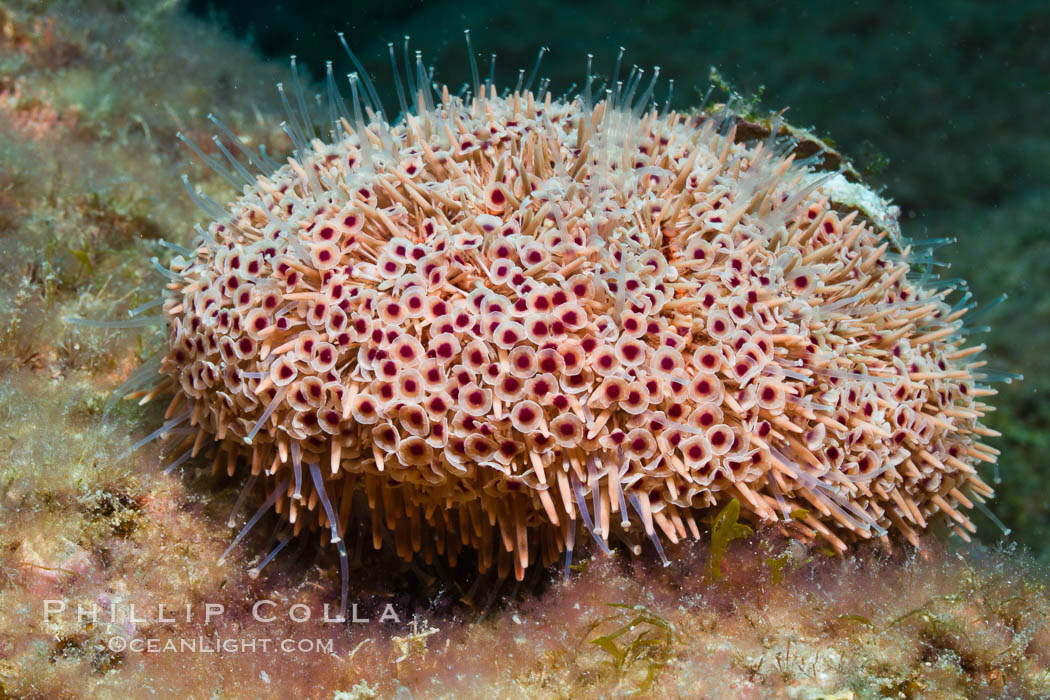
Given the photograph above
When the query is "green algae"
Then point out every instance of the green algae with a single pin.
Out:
(643, 637)
(724, 530)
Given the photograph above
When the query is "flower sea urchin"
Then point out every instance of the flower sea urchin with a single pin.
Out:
(505, 316)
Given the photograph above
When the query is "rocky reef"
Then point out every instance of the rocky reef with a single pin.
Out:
(91, 96)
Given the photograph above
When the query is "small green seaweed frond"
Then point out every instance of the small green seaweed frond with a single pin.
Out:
(723, 531)
(776, 566)
(642, 637)
(747, 106)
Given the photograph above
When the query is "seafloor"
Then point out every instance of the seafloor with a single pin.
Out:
(91, 95)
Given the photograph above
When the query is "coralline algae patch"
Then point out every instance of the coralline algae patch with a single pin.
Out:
(505, 316)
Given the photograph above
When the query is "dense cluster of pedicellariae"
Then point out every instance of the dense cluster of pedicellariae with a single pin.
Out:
(508, 319)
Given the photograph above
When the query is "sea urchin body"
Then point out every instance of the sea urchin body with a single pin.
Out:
(506, 318)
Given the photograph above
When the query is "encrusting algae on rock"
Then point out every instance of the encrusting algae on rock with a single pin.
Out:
(506, 315)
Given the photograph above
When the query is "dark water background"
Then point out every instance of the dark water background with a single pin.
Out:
(945, 104)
